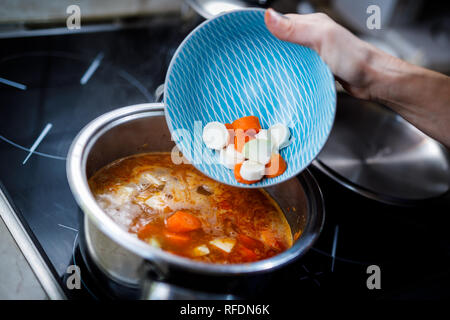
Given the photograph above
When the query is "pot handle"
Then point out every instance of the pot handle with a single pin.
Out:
(155, 288)
(159, 93)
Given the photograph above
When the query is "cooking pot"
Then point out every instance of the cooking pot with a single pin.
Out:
(157, 274)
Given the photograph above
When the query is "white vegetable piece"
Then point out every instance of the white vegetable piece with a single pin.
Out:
(258, 150)
(156, 202)
(263, 134)
(252, 170)
(199, 251)
(215, 135)
(229, 157)
(124, 194)
(154, 243)
(279, 134)
(225, 244)
(148, 178)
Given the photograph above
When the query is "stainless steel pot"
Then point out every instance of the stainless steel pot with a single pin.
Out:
(129, 261)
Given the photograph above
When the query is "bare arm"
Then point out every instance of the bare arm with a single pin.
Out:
(420, 95)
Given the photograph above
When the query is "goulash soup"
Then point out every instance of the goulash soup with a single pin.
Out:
(180, 210)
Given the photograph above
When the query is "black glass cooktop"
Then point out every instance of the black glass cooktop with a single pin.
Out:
(51, 86)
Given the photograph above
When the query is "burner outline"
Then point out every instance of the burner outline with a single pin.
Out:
(333, 249)
(29, 150)
(13, 84)
(38, 141)
(92, 68)
(68, 55)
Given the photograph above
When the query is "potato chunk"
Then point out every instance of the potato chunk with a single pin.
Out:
(199, 251)
(224, 244)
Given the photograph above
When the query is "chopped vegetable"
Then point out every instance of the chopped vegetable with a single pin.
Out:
(230, 133)
(252, 170)
(248, 149)
(245, 253)
(279, 134)
(258, 150)
(156, 202)
(176, 238)
(237, 175)
(154, 243)
(182, 221)
(263, 134)
(240, 139)
(229, 157)
(148, 178)
(246, 123)
(199, 251)
(124, 193)
(224, 244)
(249, 242)
(215, 135)
(276, 166)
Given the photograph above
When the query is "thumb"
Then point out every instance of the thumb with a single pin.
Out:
(286, 28)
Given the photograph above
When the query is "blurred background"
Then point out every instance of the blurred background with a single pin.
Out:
(415, 30)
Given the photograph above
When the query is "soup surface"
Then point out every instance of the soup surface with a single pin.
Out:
(180, 210)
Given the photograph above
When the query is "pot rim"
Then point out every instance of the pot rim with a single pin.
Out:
(76, 175)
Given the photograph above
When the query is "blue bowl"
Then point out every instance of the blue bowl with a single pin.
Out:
(232, 66)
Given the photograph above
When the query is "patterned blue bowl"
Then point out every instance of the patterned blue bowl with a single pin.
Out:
(231, 66)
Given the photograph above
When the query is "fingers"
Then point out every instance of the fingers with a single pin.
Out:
(345, 54)
(292, 27)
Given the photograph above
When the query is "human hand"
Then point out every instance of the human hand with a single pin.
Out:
(420, 95)
(348, 57)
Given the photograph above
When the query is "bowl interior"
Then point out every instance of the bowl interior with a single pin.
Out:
(230, 67)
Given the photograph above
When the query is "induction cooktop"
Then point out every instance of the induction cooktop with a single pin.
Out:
(51, 86)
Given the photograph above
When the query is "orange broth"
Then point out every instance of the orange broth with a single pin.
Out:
(237, 225)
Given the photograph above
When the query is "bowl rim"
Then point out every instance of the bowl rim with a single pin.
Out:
(267, 182)
(78, 182)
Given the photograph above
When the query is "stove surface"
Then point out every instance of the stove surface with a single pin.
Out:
(51, 86)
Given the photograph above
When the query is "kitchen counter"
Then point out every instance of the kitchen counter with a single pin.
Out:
(16, 277)
(18, 280)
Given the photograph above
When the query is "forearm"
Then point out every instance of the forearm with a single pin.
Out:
(421, 96)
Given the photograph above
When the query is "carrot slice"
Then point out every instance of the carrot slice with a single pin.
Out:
(245, 253)
(276, 166)
(246, 123)
(182, 221)
(176, 238)
(147, 231)
(249, 242)
(237, 175)
(230, 130)
(241, 138)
